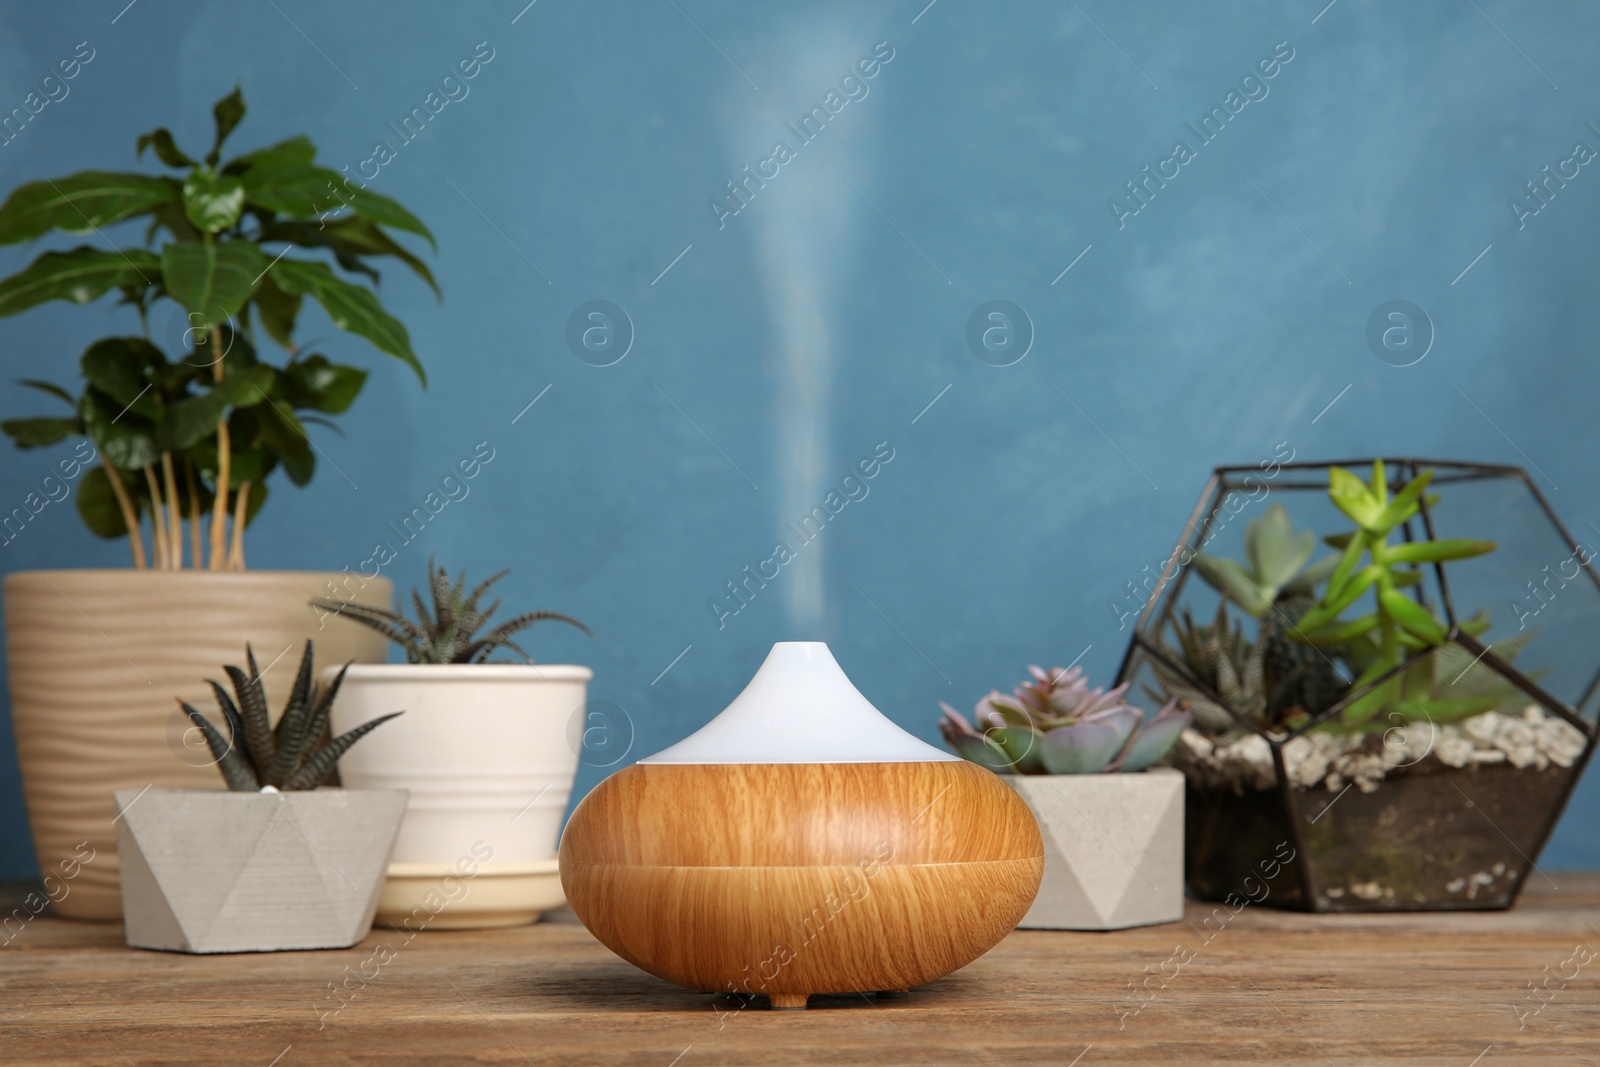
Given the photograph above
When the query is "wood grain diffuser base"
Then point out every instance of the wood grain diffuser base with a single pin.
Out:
(801, 843)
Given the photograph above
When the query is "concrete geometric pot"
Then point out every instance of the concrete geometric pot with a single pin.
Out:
(213, 871)
(1113, 848)
(94, 659)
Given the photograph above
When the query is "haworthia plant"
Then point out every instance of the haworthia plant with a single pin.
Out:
(254, 754)
(448, 633)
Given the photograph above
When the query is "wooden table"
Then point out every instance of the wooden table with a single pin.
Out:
(1268, 987)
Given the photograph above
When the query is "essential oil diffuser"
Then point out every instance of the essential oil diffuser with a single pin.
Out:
(801, 843)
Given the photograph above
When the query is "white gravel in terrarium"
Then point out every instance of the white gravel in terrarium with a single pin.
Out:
(1534, 739)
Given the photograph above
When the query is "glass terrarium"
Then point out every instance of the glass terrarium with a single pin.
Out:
(1392, 671)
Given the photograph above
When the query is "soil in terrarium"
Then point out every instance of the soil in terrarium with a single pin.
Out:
(1429, 836)
(1231, 838)
(1380, 828)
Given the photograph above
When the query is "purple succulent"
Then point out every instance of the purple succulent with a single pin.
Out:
(1056, 724)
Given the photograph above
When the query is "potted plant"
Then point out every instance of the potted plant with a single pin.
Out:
(188, 425)
(273, 863)
(486, 751)
(1350, 709)
(1112, 823)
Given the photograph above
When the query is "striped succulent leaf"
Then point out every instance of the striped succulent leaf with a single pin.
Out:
(254, 755)
(448, 630)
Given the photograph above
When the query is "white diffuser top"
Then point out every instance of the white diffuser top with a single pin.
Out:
(800, 708)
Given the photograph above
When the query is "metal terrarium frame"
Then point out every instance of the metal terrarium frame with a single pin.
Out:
(1157, 616)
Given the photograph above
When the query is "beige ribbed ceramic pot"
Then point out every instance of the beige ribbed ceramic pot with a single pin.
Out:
(96, 658)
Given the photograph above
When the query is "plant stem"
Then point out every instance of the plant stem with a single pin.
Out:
(174, 516)
(158, 522)
(219, 516)
(194, 512)
(130, 517)
(241, 505)
(1390, 639)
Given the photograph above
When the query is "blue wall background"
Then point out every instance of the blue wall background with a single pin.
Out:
(827, 315)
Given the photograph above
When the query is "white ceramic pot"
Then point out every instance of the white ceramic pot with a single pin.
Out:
(488, 754)
(1113, 848)
(211, 871)
(95, 658)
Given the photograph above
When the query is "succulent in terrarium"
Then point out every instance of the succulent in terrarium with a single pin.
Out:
(1222, 669)
(1269, 680)
(448, 633)
(257, 756)
(1351, 704)
(1275, 568)
(1056, 724)
(1394, 672)
(1378, 642)
(1290, 675)
(1283, 680)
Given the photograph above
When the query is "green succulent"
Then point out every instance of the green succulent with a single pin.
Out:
(256, 755)
(1218, 661)
(1448, 685)
(1287, 673)
(449, 632)
(1275, 565)
(1056, 724)
(1378, 642)
(1276, 584)
(1272, 682)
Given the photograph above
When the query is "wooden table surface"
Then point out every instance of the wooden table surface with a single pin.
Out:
(1263, 987)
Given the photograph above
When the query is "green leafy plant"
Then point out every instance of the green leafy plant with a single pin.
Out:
(1056, 724)
(192, 434)
(448, 633)
(255, 755)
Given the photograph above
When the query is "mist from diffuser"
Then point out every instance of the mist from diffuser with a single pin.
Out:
(800, 708)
